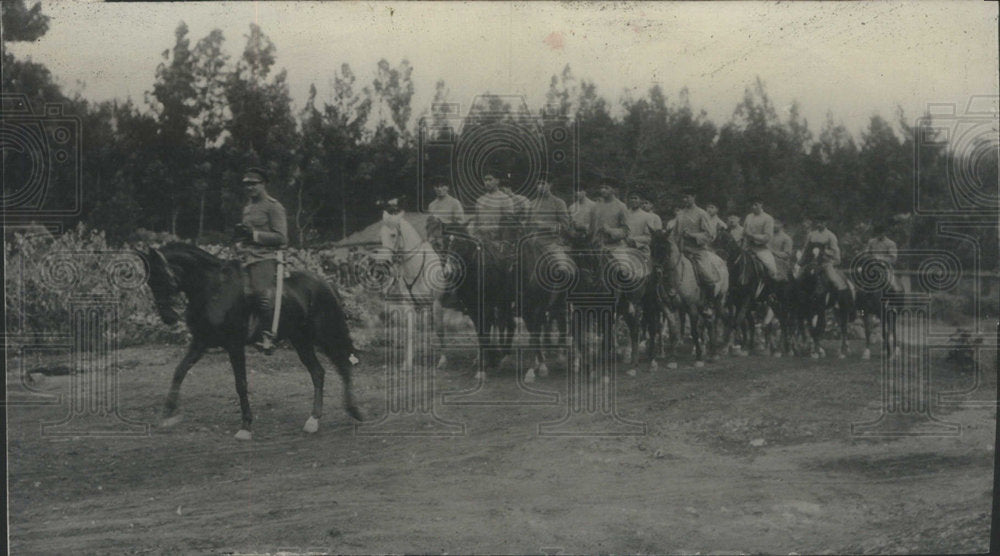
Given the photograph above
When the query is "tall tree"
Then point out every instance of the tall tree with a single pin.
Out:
(174, 100)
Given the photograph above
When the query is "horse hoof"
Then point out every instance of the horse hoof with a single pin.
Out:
(543, 370)
(777, 355)
(822, 352)
(742, 353)
(244, 434)
(653, 367)
(480, 375)
(699, 364)
(607, 379)
(672, 365)
(529, 376)
(442, 362)
(171, 421)
(841, 355)
(896, 351)
(814, 355)
(866, 354)
(631, 372)
(312, 425)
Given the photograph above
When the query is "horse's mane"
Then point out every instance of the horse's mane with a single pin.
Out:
(193, 252)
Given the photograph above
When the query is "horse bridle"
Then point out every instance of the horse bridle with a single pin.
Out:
(401, 256)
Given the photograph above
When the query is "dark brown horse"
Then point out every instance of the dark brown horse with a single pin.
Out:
(874, 280)
(813, 297)
(217, 316)
(545, 273)
(485, 291)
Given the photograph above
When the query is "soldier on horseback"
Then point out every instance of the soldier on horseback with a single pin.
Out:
(758, 231)
(260, 237)
(883, 249)
(827, 253)
(641, 224)
(695, 235)
(784, 252)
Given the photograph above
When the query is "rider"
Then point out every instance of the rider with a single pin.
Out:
(825, 242)
(758, 232)
(781, 246)
(641, 224)
(609, 229)
(260, 237)
(521, 203)
(547, 211)
(491, 207)
(647, 206)
(715, 222)
(446, 208)
(695, 233)
(579, 211)
(735, 230)
(883, 249)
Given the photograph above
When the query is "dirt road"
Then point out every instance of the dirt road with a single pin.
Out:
(747, 455)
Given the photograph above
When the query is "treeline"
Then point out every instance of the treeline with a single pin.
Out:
(173, 163)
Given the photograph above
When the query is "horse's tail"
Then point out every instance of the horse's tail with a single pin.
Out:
(336, 336)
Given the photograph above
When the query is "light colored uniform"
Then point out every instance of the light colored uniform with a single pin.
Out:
(448, 210)
(579, 213)
(641, 225)
(829, 255)
(737, 233)
(695, 234)
(784, 252)
(490, 208)
(757, 234)
(885, 250)
(609, 228)
(716, 224)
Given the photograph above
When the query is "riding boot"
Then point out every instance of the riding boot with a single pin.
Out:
(264, 311)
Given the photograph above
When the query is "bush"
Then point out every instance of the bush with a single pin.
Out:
(37, 303)
(38, 287)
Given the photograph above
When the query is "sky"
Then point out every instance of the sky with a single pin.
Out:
(851, 59)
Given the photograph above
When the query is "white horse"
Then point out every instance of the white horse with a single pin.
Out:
(419, 276)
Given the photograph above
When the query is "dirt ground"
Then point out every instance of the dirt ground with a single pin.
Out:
(748, 455)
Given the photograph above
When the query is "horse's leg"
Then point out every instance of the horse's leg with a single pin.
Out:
(653, 326)
(818, 329)
(170, 415)
(845, 310)
(342, 362)
(699, 348)
(437, 313)
(531, 324)
(633, 333)
(237, 358)
(867, 321)
(307, 354)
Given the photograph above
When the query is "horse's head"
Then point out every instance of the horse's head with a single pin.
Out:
(662, 248)
(164, 284)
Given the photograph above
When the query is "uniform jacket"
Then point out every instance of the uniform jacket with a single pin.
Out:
(266, 217)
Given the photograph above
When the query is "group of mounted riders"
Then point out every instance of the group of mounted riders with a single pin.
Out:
(743, 269)
(521, 257)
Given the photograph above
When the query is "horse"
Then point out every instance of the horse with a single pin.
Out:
(545, 274)
(674, 272)
(419, 275)
(217, 316)
(814, 298)
(490, 308)
(753, 290)
(873, 280)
